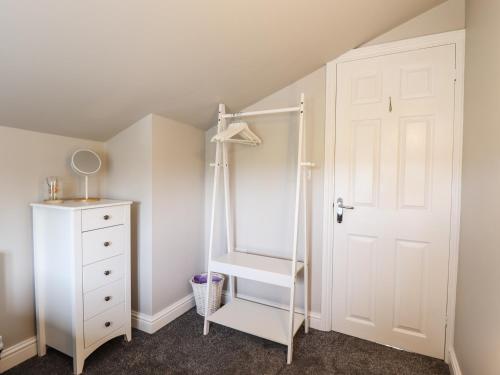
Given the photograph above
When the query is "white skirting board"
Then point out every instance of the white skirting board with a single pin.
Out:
(454, 366)
(14, 355)
(26, 349)
(152, 323)
(315, 318)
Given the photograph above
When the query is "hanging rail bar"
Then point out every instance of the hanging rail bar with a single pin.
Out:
(264, 112)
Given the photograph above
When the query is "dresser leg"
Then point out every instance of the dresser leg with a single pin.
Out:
(40, 332)
(41, 348)
(128, 334)
(78, 362)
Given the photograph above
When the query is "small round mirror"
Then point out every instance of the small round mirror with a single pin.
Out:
(86, 162)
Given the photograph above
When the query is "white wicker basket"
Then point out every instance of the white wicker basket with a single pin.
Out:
(200, 295)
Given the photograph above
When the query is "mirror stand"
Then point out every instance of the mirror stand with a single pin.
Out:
(86, 187)
(86, 162)
(86, 198)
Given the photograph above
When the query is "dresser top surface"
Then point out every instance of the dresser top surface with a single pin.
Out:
(75, 204)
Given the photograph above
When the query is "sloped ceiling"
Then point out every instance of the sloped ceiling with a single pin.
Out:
(90, 68)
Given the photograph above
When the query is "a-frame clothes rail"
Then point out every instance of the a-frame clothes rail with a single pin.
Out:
(265, 321)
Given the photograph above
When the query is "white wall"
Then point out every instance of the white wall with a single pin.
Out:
(263, 184)
(26, 159)
(447, 16)
(130, 159)
(158, 163)
(477, 326)
(178, 174)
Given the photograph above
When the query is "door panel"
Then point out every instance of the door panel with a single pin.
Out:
(411, 287)
(393, 163)
(415, 161)
(367, 88)
(365, 158)
(361, 277)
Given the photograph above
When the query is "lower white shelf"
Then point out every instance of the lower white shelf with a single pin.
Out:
(256, 319)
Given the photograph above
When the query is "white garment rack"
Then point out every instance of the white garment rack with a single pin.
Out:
(265, 321)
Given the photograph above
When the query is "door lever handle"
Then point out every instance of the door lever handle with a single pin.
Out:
(341, 208)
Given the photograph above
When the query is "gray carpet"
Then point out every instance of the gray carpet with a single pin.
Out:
(180, 348)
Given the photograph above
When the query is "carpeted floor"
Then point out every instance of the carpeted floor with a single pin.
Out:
(180, 348)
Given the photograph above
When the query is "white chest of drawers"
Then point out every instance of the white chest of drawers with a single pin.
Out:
(82, 275)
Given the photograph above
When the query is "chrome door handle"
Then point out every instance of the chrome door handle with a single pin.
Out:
(341, 208)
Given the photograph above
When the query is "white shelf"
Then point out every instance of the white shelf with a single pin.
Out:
(268, 322)
(256, 267)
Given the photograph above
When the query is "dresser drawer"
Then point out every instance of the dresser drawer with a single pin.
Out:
(103, 217)
(103, 324)
(101, 273)
(102, 244)
(101, 299)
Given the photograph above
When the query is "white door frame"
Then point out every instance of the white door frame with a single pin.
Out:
(458, 39)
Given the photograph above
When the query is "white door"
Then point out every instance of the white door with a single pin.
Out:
(393, 164)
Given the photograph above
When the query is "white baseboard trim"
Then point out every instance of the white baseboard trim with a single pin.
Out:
(454, 366)
(315, 318)
(26, 349)
(152, 323)
(14, 355)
